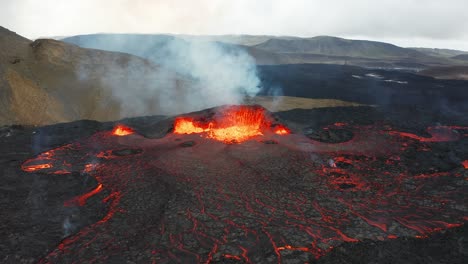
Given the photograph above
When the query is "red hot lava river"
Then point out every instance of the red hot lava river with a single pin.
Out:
(238, 186)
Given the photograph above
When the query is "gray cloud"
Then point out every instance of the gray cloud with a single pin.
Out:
(405, 22)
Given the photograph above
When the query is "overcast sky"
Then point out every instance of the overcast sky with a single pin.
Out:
(430, 23)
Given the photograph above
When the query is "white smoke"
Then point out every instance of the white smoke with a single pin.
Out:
(67, 227)
(225, 73)
(193, 75)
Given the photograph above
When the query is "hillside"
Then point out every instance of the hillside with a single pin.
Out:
(462, 57)
(440, 52)
(48, 81)
(333, 50)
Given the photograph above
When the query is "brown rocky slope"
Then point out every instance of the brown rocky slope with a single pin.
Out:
(48, 81)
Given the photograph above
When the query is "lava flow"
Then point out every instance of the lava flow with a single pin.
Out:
(81, 200)
(32, 168)
(232, 124)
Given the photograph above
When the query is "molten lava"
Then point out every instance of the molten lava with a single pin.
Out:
(81, 200)
(234, 124)
(31, 168)
(121, 130)
(282, 130)
(465, 164)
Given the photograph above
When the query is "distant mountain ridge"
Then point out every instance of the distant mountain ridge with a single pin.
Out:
(333, 46)
(136, 44)
(272, 50)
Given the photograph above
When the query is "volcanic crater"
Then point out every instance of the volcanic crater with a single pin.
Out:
(238, 184)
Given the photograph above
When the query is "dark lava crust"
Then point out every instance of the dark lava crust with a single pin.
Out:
(350, 185)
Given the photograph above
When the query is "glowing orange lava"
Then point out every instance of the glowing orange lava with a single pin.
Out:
(89, 167)
(31, 168)
(465, 164)
(183, 125)
(81, 200)
(289, 247)
(282, 130)
(121, 130)
(234, 124)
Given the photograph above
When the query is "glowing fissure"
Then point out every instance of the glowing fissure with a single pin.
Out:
(235, 123)
(438, 134)
(81, 200)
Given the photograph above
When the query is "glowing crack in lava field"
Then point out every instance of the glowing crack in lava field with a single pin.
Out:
(240, 186)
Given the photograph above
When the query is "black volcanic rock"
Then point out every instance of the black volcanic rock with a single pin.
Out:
(188, 144)
(446, 247)
(126, 152)
(329, 135)
(447, 72)
(367, 86)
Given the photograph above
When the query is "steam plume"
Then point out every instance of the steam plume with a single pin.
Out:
(193, 75)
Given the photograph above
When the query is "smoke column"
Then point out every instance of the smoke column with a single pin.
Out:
(191, 74)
